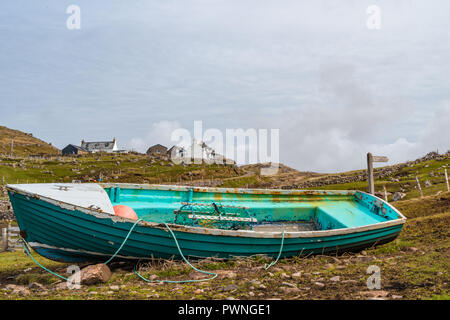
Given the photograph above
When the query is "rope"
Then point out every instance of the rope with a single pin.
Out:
(279, 254)
(123, 242)
(214, 275)
(25, 248)
(181, 253)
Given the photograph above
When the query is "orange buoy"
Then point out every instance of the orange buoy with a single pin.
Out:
(125, 212)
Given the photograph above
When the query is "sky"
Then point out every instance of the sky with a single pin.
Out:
(138, 70)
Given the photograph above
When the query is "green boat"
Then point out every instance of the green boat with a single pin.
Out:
(77, 222)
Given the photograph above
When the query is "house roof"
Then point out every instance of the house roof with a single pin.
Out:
(158, 145)
(76, 147)
(100, 145)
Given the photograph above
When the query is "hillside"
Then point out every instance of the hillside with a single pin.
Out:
(398, 178)
(24, 144)
(414, 266)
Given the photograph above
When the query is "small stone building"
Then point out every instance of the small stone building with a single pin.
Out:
(157, 150)
(176, 152)
(73, 150)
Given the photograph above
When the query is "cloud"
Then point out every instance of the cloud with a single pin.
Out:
(324, 144)
(160, 132)
(335, 89)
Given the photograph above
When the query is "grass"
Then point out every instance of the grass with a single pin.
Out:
(108, 168)
(414, 266)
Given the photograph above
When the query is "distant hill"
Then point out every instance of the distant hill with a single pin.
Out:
(24, 144)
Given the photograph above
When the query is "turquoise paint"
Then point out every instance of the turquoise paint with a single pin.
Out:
(58, 233)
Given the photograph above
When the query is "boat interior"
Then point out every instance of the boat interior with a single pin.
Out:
(258, 210)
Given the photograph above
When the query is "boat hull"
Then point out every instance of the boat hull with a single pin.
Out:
(70, 234)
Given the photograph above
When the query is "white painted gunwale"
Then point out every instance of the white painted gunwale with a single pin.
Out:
(221, 232)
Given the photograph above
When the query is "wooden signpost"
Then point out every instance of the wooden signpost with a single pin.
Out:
(370, 160)
(446, 179)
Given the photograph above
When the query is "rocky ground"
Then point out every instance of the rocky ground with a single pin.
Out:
(6, 212)
(414, 266)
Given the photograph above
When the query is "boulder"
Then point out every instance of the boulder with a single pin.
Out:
(398, 195)
(95, 274)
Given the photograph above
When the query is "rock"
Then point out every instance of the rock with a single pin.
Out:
(319, 284)
(427, 183)
(20, 290)
(95, 274)
(222, 274)
(153, 277)
(230, 287)
(262, 286)
(375, 293)
(61, 286)
(251, 294)
(412, 249)
(36, 286)
(289, 290)
(10, 287)
(114, 288)
(297, 275)
(350, 281)
(362, 258)
(285, 275)
(364, 253)
(198, 291)
(396, 297)
(287, 284)
(335, 279)
(398, 195)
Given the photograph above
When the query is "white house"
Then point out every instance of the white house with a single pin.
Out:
(102, 146)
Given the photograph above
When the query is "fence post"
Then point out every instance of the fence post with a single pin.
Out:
(385, 193)
(370, 173)
(4, 239)
(446, 179)
(418, 186)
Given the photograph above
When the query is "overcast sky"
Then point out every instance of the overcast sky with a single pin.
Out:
(137, 70)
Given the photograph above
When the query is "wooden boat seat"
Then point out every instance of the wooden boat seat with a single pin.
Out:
(345, 215)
